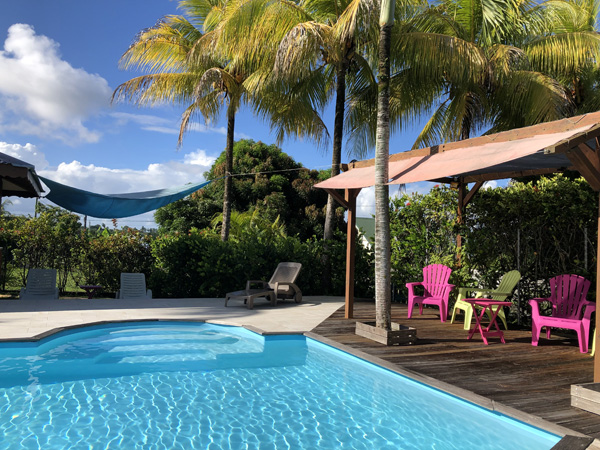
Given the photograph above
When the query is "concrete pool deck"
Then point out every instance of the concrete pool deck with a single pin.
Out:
(28, 319)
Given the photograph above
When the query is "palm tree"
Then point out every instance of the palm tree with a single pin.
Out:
(571, 38)
(203, 84)
(326, 42)
(382, 150)
(527, 54)
(206, 72)
(318, 43)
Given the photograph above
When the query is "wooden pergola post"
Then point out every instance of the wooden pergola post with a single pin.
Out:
(464, 198)
(348, 201)
(587, 162)
(459, 214)
(350, 197)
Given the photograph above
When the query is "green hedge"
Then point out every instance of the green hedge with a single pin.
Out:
(544, 227)
(199, 264)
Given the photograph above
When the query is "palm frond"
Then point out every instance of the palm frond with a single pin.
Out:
(504, 58)
(438, 56)
(299, 50)
(150, 90)
(205, 13)
(433, 131)
(527, 98)
(163, 47)
(564, 54)
(358, 15)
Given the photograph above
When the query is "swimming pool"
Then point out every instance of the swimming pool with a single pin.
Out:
(181, 385)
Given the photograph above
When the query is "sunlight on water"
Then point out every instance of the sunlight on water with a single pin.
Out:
(174, 385)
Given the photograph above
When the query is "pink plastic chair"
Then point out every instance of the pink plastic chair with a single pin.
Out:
(568, 300)
(437, 290)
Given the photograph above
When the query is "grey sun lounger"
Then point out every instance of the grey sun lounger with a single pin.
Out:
(248, 296)
(280, 286)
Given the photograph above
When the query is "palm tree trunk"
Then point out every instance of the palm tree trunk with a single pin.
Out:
(228, 169)
(382, 198)
(336, 159)
(338, 134)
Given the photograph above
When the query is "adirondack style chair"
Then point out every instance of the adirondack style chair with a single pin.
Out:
(41, 283)
(437, 290)
(505, 288)
(570, 309)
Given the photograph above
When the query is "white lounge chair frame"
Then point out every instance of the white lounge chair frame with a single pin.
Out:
(41, 283)
(133, 285)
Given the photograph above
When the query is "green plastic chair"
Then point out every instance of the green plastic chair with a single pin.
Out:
(505, 288)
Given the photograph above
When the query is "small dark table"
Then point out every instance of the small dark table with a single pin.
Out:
(90, 290)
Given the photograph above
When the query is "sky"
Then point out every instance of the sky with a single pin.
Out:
(59, 64)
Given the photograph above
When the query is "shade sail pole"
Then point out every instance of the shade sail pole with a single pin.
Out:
(350, 197)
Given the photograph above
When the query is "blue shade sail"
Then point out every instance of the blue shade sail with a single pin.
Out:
(115, 206)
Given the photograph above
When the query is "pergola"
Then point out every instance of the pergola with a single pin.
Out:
(567, 144)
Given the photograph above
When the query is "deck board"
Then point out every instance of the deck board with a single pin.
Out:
(535, 380)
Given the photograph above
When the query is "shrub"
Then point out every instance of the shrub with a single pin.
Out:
(199, 264)
(106, 255)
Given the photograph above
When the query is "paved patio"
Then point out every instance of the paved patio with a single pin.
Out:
(26, 319)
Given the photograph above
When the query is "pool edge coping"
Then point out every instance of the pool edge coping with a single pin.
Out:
(569, 437)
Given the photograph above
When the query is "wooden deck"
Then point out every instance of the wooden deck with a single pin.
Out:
(535, 380)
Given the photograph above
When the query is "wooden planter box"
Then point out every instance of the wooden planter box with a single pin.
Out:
(586, 396)
(398, 335)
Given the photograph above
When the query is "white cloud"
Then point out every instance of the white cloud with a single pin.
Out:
(145, 120)
(28, 153)
(167, 126)
(42, 95)
(104, 180)
(365, 202)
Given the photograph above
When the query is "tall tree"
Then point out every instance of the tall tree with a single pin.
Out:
(194, 63)
(188, 70)
(269, 182)
(567, 48)
(326, 43)
(528, 55)
(382, 150)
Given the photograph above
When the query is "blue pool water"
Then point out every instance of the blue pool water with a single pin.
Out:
(178, 385)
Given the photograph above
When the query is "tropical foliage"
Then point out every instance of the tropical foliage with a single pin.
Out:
(198, 264)
(268, 183)
(193, 62)
(529, 62)
(542, 227)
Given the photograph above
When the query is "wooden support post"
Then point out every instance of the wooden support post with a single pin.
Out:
(350, 199)
(464, 198)
(459, 214)
(596, 357)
